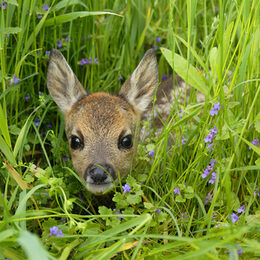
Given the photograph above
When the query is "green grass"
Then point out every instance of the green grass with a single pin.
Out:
(213, 46)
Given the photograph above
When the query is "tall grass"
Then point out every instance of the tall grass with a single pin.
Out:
(171, 211)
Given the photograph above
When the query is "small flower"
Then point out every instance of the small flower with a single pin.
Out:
(3, 5)
(177, 191)
(39, 16)
(213, 131)
(14, 79)
(209, 138)
(126, 188)
(55, 231)
(254, 142)
(212, 162)
(121, 79)
(164, 77)
(241, 209)
(84, 61)
(49, 125)
(184, 140)
(157, 211)
(208, 198)
(151, 153)
(213, 178)
(155, 46)
(209, 146)
(256, 192)
(215, 109)
(67, 39)
(184, 214)
(37, 121)
(65, 158)
(95, 61)
(180, 114)
(59, 44)
(27, 97)
(158, 39)
(47, 53)
(234, 218)
(206, 172)
(117, 212)
(45, 7)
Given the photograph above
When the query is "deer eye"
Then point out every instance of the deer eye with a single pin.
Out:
(76, 143)
(126, 142)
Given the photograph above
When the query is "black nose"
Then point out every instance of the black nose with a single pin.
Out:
(100, 173)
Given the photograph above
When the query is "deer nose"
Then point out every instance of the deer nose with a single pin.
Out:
(99, 174)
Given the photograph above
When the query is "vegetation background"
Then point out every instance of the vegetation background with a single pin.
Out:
(199, 199)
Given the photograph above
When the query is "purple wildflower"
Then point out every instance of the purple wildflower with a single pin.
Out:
(212, 162)
(65, 158)
(241, 209)
(217, 9)
(254, 142)
(47, 53)
(158, 39)
(95, 61)
(83, 62)
(206, 172)
(209, 146)
(15, 80)
(208, 198)
(45, 7)
(117, 212)
(234, 218)
(213, 131)
(37, 121)
(49, 125)
(157, 211)
(215, 109)
(155, 46)
(213, 178)
(184, 215)
(55, 231)
(184, 140)
(7, 35)
(59, 44)
(67, 39)
(177, 191)
(209, 138)
(121, 79)
(180, 114)
(39, 16)
(27, 97)
(164, 77)
(256, 192)
(126, 188)
(3, 5)
(151, 153)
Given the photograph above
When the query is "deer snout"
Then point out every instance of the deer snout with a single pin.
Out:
(99, 174)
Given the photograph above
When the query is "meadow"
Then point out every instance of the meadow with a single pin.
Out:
(198, 198)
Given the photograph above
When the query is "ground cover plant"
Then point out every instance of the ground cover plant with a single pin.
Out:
(197, 198)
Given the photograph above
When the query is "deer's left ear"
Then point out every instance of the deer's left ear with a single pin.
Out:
(138, 90)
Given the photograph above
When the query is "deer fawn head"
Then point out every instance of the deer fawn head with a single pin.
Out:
(102, 128)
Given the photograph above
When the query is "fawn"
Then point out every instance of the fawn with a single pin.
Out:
(103, 129)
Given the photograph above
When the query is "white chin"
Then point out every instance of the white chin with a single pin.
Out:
(98, 189)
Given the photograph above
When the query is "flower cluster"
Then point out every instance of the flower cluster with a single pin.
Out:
(3, 5)
(209, 138)
(55, 231)
(254, 142)
(177, 191)
(215, 109)
(88, 61)
(208, 170)
(234, 217)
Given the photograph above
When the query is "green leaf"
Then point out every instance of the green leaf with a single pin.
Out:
(179, 198)
(133, 199)
(72, 16)
(257, 126)
(192, 76)
(12, 30)
(148, 205)
(32, 246)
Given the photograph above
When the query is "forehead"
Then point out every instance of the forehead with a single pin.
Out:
(101, 111)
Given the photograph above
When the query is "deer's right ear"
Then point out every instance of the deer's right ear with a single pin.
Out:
(62, 84)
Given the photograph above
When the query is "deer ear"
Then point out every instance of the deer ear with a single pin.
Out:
(62, 84)
(139, 89)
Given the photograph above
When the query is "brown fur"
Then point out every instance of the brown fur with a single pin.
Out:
(100, 120)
